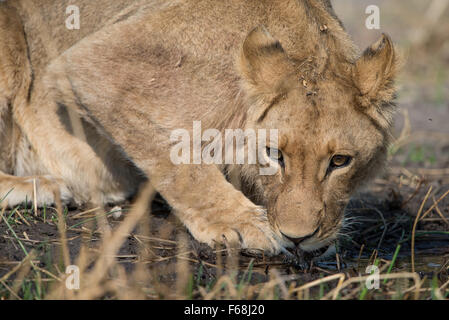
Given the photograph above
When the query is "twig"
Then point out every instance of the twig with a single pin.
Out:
(62, 227)
(320, 281)
(10, 290)
(414, 227)
(17, 267)
(35, 197)
(79, 214)
(439, 212)
(418, 187)
(435, 204)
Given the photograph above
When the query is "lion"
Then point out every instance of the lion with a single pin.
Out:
(87, 113)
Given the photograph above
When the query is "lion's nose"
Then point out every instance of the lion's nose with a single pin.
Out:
(298, 240)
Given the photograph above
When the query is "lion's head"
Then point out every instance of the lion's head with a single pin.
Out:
(333, 133)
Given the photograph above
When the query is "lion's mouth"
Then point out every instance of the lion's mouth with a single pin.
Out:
(319, 252)
(302, 259)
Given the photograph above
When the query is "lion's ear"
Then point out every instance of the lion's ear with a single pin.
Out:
(374, 74)
(263, 62)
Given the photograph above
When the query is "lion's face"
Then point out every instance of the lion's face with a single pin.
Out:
(326, 150)
(332, 138)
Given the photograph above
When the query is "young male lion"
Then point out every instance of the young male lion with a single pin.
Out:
(90, 111)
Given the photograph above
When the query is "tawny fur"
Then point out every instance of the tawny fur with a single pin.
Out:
(90, 111)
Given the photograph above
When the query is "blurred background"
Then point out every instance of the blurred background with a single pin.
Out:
(420, 28)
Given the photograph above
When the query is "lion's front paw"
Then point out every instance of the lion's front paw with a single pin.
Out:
(46, 188)
(249, 230)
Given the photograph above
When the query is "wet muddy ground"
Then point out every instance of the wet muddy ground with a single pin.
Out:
(382, 219)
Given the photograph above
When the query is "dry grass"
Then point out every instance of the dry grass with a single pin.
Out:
(102, 275)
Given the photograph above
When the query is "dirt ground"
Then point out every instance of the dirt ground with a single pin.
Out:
(383, 218)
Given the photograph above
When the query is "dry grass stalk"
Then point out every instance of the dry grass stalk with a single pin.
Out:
(226, 282)
(182, 267)
(274, 274)
(110, 246)
(319, 281)
(22, 218)
(94, 283)
(23, 272)
(435, 204)
(22, 263)
(415, 224)
(81, 214)
(35, 197)
(2, 213)
(62, 227)
(437, 209)
(403, 275)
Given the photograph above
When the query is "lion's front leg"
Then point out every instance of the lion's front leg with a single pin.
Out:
(212, 209)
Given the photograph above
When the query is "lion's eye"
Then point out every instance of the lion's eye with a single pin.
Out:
(276, 155)
(339, 161)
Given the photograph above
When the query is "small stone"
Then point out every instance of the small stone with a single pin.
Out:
(116, 212)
